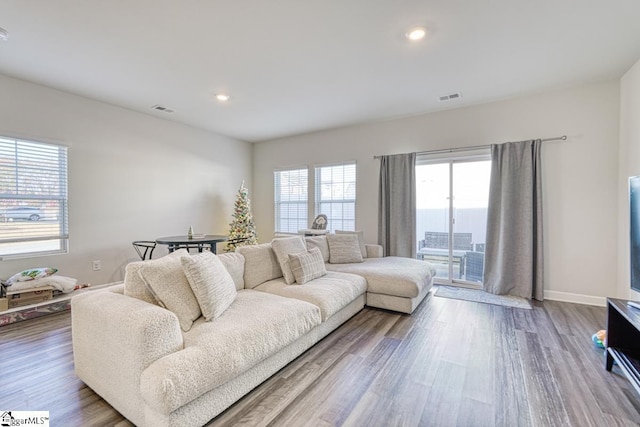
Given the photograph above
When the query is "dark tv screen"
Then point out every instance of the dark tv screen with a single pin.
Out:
(634, 231)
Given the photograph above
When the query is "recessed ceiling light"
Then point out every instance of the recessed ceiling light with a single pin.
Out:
(415, 34)
(222, 97)
(4, 34)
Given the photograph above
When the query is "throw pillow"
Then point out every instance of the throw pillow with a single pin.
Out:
(211, 283)
(319, 242)
(31, 274)
(344, 249)
(282, 248)
(60, 283)
(234, 263)
(134, 286)
(360, 234)
(166, 281)
(307, 265)
(260, 264)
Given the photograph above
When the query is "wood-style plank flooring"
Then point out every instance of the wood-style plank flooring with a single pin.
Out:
(451, 363)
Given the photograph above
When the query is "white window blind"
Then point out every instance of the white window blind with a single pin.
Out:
(33, 198)
(336, 195)
(291, 200)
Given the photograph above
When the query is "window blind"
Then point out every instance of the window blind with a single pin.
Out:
(33, 198)
(291, 200)
(336, 195)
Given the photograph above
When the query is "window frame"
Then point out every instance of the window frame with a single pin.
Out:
(303, 202)
(28, 151)
(318, 201)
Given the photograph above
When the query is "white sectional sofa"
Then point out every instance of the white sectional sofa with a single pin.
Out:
(185, 364)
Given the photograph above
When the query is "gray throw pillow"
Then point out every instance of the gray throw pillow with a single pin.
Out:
(260, 264)
(344, 249)
(360, 235)
(319, 242)
(307, 265)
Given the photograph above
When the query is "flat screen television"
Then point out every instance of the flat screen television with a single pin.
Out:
(634, 231)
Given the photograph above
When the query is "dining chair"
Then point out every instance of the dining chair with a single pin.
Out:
(144, 248)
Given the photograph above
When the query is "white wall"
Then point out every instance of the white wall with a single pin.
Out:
(581, 174)
(629, 166)
(131, 176)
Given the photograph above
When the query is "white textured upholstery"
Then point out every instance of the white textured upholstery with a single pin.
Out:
(404, 277)
(134, 286)
(330, 293)
(344, 248)
(360, 234)
(234, 263)
(282, 247)
(307, 265)
(166, 280)
(211, 283)
(256, 326)
(115, 338)
(135, 355)
(260, 264)
(201, 410)
(319, 242)
(374, 251)
(395, 303)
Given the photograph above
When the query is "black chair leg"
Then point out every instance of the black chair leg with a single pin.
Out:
(144, 248)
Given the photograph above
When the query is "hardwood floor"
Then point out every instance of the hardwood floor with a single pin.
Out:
(451, 363)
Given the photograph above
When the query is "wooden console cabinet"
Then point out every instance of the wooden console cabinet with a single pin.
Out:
(623, 339)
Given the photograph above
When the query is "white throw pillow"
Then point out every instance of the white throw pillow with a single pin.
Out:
(282, 248)
(344, 249)
(61, 283)
(134, 286)
(31, 274)
(319, 242)
(360, 234)
(211, 283)
(166, 281)
(234, 263)
(260, 264)
(307, 265)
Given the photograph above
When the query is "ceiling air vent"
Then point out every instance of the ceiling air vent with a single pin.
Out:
(163, 109)
(451, 96)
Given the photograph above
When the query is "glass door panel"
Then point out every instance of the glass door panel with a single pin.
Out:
(433, 216)
(452, 196)
(470, 198)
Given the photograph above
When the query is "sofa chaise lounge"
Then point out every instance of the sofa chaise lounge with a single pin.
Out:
(161, 361)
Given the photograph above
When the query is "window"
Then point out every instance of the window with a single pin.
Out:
(336, 195)
(33, 198)
(291, 201)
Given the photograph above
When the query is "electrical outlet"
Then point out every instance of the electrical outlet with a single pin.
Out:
(96, 265)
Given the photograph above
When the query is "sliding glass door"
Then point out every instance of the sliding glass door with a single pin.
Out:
(451, 217)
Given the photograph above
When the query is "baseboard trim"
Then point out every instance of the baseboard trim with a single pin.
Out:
(575, 298)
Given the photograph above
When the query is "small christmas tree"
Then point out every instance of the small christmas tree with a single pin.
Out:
(242, 230)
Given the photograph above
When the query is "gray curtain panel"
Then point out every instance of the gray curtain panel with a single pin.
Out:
(397, 205)
(514, 262)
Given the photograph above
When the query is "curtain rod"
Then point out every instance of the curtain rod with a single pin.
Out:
(475, 147)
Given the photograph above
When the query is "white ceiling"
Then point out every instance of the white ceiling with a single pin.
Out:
(295, 66)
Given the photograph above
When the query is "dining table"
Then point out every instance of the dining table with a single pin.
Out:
(199, 242)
